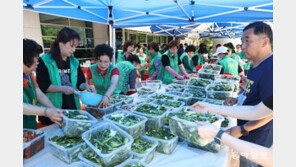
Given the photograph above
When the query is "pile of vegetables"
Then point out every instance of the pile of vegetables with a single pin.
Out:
(151, 109)
(219, 87)
(199, 82)
(75, 115)
(162, 133)
(175, 86)
(124, 118)
(141, 146)
(197, 93)
(217, 102)
(230, 78)
(66, 142)
(193, 116)
(120, 97)
(212, 67)
(107, 140)
(225, 122)
(174, 104)
(162, 96)
(91, 156)
(134, 165)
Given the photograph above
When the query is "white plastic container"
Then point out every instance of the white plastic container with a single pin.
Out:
(162, 96)
(99, 112)
(185, 97)
(181, 82)
(75, 127)
(213, 67)
(196, 93)
(67, 155)
(213, 101)
(89, 162)
(153, 84)
(34, 146)
(79, 164)
(208, 74)
(149, 155)
(116, 156)
(219, 95)
(234, 79)
(168, 104)
(175, 87)
(145, 91)
(197, 83)
(211, 147)
(154, 121)
(129, 99)
(187, 129)
(135, 130)
(165, 146)
(131, 162)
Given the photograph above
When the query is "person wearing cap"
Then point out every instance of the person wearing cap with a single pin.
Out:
(228, 64)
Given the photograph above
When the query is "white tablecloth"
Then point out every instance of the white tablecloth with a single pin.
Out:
(182, 156)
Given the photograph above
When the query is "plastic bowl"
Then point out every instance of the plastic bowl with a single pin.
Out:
(91, 99)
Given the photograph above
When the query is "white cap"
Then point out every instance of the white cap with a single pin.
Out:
(221, 49)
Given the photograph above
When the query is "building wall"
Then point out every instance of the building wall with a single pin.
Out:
(31, 26)
(100, 33)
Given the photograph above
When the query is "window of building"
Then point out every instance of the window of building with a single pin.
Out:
(51, 25)
(133, 37)
(150, 38)
(142, 38)
(156, 39)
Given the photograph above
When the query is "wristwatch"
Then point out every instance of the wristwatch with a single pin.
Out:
(244, 131)
(217, 138)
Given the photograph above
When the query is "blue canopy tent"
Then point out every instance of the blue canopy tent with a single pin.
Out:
(131, 13)
(224, 30)
(173, 30)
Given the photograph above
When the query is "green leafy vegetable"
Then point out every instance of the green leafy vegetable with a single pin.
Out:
(199, 82)
(91, 156)
(151, 109)
(193, 116)
(174, 104)
(162, 96)
(220, 87)
(66, 142)
(75, 115)
(141, 146)
(197, 93)
(107, 140)
(212, 67)
(134, 165)
(217, 102)
(162, 133)
(225, 122)
(124, 119)
(121, 97)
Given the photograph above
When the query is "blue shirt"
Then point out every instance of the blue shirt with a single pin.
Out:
(257, 87)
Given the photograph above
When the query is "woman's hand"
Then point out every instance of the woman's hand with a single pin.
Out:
(104, 102)
(206, 130)
(54, 115)
(68, 90)
(87, 87)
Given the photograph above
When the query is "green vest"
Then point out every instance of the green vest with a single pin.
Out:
(201, 59)
(247, 65)
(124, 68)
(190, 62)
(152, 69)
(164, 75)
(235, 56)
(229, 65)
(30, 97)
(143, 60)
(120, 56)
(56, 97)
(102, 83)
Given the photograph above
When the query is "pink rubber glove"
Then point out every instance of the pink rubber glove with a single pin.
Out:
(152, 76)
(173, 73)
(185, 73)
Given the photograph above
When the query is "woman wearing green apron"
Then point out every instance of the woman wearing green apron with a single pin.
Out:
(172, 66)
(154, 60)
(186, 59)
(59, 74)
(142, 56)
(103, 74)
(228, 64)
(246, 63)
(128, 74)
(31, 92)
(128, 48)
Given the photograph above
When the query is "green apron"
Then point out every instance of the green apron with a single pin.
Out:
(120, 56)
(124, 68)
(201, 59)
(143, 60)
(30, 97)
(229, 65)
(247, 65)
(190, 62)
(102, 83)
(164, 75)
(152, 69)
(56, 97)
(235, 56)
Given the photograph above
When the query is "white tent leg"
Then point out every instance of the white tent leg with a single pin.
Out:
(114, 44)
